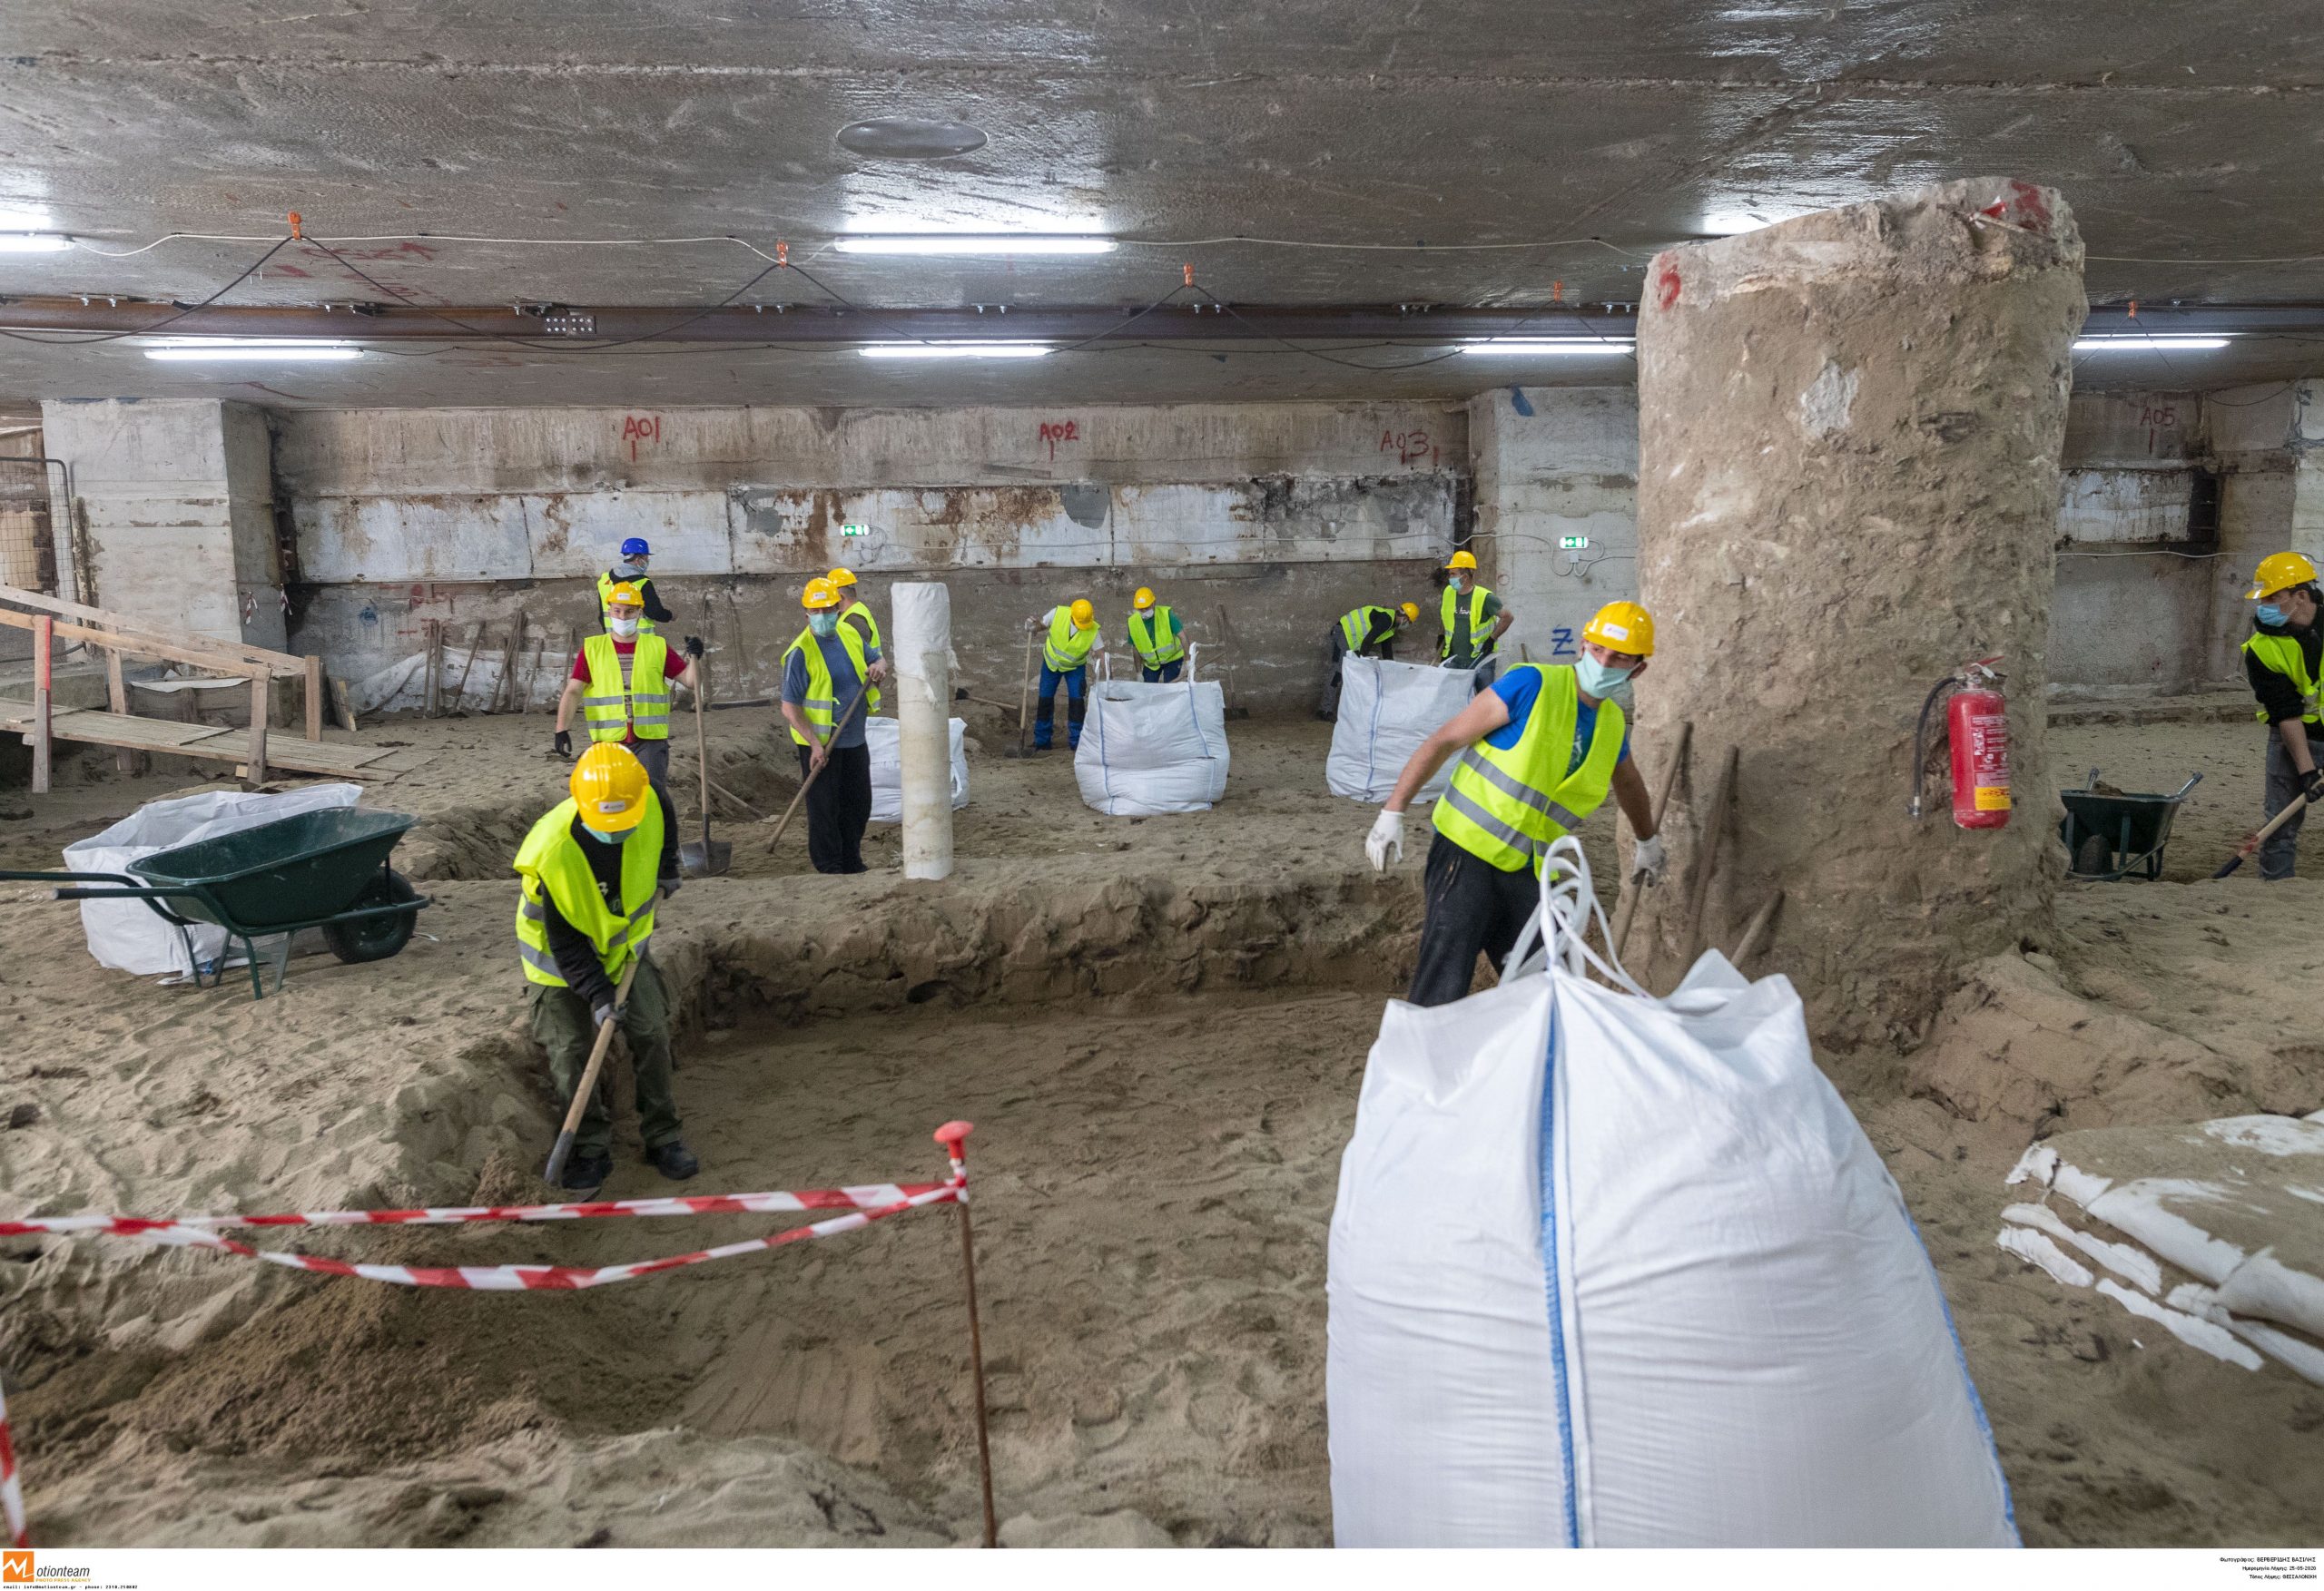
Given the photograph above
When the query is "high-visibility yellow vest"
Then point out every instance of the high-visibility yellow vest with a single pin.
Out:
(859, 614)
(823, 704)
(1156, 641)
(551, 861)
(1507, 807)
(606, 584)
(1068, 645)
(1482, 641)
(626, 694)
(2282, 654)
(1357, 624)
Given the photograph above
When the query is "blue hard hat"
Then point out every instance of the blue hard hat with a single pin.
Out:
(636, 547)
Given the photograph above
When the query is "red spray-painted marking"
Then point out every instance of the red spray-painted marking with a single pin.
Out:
(636, 428)
(1665, 288)
(1056, 431)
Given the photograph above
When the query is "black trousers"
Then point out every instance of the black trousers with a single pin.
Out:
(1473, 906)
(1328, 705)
(838, 806)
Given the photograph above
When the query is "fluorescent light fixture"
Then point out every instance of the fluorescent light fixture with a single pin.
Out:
(973, 243)
(953, 350)
(249, 350)
(34, 243)
(2155, 344)
(1552, 345)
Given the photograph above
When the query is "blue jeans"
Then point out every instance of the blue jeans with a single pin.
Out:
(1167, 674)
(1077, 681)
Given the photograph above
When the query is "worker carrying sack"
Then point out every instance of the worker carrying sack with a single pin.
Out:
(1153, 749)
(1386, 710)
(1613, 1271)
(880, 734)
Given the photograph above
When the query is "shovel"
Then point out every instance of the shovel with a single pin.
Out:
(816, 772)
(703, 858)
(580, 1104)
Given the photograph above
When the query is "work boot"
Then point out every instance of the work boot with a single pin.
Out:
(674, 1160)
(586, 1173)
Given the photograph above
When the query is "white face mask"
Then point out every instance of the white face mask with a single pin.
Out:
(623, 629)
(602, 837)
(1608, 684)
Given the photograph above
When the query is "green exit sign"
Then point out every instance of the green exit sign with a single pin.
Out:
(855, 530)
(1572, 543)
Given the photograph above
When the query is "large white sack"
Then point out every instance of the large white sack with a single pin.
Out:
(1672, 1299)
(125, 935)
(1386, 710)
(1153, 749)
(888, 767)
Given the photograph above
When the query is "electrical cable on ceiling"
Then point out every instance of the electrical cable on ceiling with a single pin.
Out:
(77, 338)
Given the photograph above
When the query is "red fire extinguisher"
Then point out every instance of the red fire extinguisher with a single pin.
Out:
(1977, 721)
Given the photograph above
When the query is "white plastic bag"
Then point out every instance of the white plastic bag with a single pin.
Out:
(127, 934)
(1153, 749)
(1386, 710)
(1609, 1271)
(888, 767)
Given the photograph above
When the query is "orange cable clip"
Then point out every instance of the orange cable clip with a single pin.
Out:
(781, 253)
(296, 235)
(2134, 308)
(1557, 292)
(1189, 268)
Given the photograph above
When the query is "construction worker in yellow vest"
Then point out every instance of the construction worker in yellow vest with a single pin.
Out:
(1065, 660)
(2280, 659)
(822, 671)
(856, 613)
(621, 681)
(636, 554)
(1370, 631)
(1474, 618)
(589, 884)
(1539, 752)
(1158, 638)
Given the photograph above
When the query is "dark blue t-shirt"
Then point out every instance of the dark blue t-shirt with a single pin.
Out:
(844, 683)
(1519, 689)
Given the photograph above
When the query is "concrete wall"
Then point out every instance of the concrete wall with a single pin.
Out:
(1555, 465)
(1261, 524)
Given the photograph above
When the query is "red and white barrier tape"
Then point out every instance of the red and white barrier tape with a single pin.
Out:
(12, 1494)
(867, 1196)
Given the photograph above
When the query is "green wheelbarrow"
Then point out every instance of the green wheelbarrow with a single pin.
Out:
(2110, 833)
(324, 870)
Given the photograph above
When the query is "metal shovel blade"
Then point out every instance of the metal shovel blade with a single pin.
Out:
(704, 859)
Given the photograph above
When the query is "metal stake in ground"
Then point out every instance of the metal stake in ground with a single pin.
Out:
(580, 1103)
(953, 1136)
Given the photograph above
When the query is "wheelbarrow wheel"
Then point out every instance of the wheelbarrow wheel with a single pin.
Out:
(375, 938)
(2093, 857)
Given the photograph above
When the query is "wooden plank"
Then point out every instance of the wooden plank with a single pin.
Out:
(125, 761)
(110, 729)
(262, 708)
(58, 606)
(43, 646)
(314, 697)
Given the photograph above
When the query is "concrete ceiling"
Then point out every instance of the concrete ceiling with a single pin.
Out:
(2179, 133)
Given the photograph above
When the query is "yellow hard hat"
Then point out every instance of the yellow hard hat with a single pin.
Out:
(2280, 572)
(1412, 612)
(1462, 560)
(610, 786)
(1085, 617)
(1144, 599)
(1622, 626)
(841, 577)
(820, 594)
(625, 595)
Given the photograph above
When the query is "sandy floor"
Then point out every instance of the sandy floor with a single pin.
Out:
(1158, 1027)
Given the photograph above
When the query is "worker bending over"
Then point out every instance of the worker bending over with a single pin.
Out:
(1475, 621)
(856, 613)
(1367, 632)
(822, 672)
(2280, 659)
(621, 680)
(631, 571)
(1158, 638)
(588, 874)
(1065, 658)
(1539, 751)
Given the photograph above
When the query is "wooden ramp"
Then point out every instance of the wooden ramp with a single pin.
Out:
(343, 757)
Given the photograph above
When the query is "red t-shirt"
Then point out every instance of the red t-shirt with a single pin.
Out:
(673, 665)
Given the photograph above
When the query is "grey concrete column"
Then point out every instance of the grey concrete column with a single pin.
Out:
(1849, 428)
(1555, 465)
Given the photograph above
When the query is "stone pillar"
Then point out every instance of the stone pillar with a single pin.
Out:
(174, 514)
(1553, 465)
(1849, 428)
(922, 637)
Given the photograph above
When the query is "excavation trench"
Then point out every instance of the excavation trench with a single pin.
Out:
(1162, 1076)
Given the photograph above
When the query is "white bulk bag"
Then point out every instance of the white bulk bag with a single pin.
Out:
(125, 935)
(1612, 1270)
(888, 767)
(1386, 710)
(1153, 749)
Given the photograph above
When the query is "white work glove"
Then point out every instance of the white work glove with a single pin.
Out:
(1646, 861)
(1387, 841)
